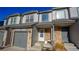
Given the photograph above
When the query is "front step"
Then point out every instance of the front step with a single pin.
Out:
(70, 47)
(39, 45)
(69, 44)
(36, 47)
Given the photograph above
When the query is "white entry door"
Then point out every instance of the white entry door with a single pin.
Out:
(41, 34)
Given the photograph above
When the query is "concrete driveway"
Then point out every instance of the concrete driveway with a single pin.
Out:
(13, 49)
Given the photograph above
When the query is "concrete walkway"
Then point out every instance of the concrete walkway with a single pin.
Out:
(70, 47)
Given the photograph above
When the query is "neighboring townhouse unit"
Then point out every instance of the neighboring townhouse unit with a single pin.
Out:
(34, 29)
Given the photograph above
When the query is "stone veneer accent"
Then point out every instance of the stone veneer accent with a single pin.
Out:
(29, 43)
(47, 34)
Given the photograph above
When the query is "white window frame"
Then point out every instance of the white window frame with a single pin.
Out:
(40, 34)
(78, 10)
(64, 15)
(42, 18)
(12, 20)
(29, 17)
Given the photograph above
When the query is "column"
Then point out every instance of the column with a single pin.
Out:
(8, 38)
(52, 33)
(34, 35)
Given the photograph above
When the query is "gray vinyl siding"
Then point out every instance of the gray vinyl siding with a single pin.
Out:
(1, 37)
(74, 34)
(34, 35)
(20, 39)
(8, 37)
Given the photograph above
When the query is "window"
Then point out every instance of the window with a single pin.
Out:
(41, 34)
(60, 14)
(78, 11)
(45, 17)
(13, 20)
(31, 18)
(27, 18)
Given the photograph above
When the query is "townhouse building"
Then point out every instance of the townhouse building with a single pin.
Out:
(28, 29)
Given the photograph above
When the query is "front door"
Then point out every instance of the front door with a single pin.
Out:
(41, 34)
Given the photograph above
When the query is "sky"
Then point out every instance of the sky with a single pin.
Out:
(6, 11)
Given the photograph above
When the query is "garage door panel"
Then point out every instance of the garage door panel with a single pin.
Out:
(20, 39)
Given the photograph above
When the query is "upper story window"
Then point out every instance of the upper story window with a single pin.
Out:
(78, 11)
(29, 18)
(45, 17)
(73, 12)
(60, 14)
(13, 20)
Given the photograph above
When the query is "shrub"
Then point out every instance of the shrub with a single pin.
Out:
(59, 47)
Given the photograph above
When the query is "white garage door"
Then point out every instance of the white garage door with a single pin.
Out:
(20, 39)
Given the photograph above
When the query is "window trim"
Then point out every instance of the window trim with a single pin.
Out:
(61, 17)
(44, 19)
(29, 18)
(13, 20)
(78, 11)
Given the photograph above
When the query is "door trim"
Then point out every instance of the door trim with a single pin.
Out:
(43, 34)
(13, 32)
